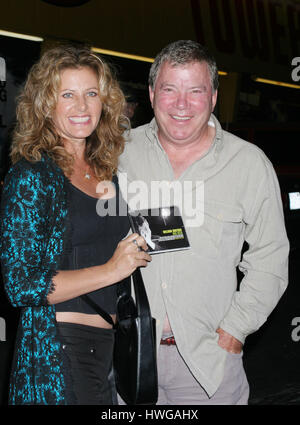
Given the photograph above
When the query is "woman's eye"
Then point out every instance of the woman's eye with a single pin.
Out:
(92, 93)
(67, 95)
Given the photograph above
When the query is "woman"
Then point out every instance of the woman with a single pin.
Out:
(54, 246)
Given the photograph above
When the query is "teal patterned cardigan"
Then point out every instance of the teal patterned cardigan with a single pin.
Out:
(34, 231)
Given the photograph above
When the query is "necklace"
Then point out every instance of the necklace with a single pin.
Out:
(87, 176)
(87, 173)
(80, 167)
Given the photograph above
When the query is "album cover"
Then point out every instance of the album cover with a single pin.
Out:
(162, 228)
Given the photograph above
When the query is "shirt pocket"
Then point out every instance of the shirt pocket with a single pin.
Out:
(220, 234)
(232, 237)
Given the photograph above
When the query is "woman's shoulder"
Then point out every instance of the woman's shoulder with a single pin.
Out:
(43, 167)
(41, 164)
(42, 173)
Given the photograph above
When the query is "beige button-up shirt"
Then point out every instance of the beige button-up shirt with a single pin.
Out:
(228, 196)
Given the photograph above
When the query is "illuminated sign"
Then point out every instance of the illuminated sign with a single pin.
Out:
(257, 36)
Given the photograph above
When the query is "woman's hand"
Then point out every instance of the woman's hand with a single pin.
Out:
(129, 254)
(126, 258)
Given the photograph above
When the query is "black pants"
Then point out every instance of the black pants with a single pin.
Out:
(88, 352)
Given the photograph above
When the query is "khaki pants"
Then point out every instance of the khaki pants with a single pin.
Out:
(177, 385)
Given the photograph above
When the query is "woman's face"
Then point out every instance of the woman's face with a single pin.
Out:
(79, 107)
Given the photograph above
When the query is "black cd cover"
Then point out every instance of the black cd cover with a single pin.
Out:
(162, 229)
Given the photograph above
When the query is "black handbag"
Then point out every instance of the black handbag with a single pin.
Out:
(135, 366)
(134, 363)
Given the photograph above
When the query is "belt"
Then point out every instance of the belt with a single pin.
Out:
(168, 341)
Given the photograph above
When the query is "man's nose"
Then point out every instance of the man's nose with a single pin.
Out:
(181, 101)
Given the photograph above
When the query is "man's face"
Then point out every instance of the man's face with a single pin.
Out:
(182, 101)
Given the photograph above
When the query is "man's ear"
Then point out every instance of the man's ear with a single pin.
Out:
(214, 99)
(151, 95)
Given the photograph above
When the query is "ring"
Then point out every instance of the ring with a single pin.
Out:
(139, 248)
(137, 245)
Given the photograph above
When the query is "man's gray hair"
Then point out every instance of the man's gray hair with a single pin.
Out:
(183, 52)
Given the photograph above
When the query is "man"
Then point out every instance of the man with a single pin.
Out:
(202, 316)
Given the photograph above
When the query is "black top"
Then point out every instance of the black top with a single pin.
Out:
(94, 240)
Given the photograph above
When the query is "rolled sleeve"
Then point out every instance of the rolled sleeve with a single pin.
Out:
(264, 264)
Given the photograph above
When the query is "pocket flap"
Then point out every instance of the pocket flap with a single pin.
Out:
(223, 212)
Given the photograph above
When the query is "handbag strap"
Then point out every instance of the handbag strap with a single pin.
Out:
(142, 303)
(98, 309)
(124, 288)
(141, 299)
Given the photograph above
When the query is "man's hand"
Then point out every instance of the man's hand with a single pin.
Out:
(229, 342)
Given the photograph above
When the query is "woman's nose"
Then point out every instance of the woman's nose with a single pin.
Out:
(81, 103)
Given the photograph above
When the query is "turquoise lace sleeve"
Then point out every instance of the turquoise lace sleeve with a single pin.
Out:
(24, 220)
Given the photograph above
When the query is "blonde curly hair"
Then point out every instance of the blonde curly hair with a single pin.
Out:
(35, 132)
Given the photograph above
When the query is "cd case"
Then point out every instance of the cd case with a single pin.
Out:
(162, 228)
